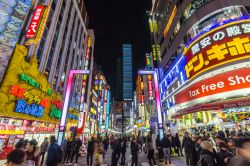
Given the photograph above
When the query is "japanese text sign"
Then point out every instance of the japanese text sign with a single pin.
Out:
(220, 46)
(34, 24)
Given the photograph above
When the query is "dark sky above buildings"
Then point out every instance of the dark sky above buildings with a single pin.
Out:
(116, 22)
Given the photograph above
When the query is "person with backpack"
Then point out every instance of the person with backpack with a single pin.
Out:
(55, 153)
(77, 143)
(208, 157)
(90, 151)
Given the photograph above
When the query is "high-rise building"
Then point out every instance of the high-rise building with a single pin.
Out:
(127, 72)
(118, 89)
(199, 45)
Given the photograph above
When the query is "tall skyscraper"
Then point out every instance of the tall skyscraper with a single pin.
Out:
(127, 71)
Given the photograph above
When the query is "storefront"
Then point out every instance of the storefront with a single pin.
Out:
(29, 107)
(209, 83)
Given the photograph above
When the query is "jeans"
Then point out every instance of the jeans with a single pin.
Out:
(167, 154)
(90, 157)
(179, 150)
(115, 159)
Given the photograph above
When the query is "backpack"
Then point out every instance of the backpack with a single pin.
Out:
(58, 156)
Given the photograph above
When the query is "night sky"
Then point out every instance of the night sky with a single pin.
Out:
(116, 22)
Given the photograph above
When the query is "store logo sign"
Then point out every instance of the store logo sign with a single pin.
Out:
(225, 82)
(215, 49)
(34, 24)
(33, 109)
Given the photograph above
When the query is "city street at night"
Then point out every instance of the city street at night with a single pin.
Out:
(143, 82)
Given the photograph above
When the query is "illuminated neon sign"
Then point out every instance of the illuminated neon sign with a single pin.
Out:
(170, 20)
(34, 24)
(228, 44)
(34, 83)
(33, 109)
(55, 112)
(37, 24)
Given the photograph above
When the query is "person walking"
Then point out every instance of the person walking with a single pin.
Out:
(67, 150)
(150, 151)
(188, 146)
(77, 143)
(55, 154)
(134, 152)
(177, 143)
(90, 151)
(208, 157)
(124, 147)
(166, 149)
(159, 147)
(43, 148)
(116, 152)
(32, 154)
(105, 143)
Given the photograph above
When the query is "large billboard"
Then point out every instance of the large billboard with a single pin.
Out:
(12, 16)
(223, 45)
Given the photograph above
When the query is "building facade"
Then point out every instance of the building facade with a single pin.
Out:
(199, 42)
(127, 71)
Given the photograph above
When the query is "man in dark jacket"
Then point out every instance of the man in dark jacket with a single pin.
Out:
(90, 151)
(134, 152)
(55, 154)
(177, 143)
(124, 147)
(116, 152)
(67, 150)
(76, 148)
(166, 149)
(188, 146)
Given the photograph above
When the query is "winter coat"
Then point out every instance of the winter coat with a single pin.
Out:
(222, 155)
(177, 142)
(54, 154)
(188, 144)
(237, 161)
(207, 158)
(166, 142)
(124, 147)
(117, 148)
(91, 147)
(134, 148)
(31, 156)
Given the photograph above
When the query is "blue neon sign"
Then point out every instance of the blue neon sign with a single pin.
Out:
(33, 109)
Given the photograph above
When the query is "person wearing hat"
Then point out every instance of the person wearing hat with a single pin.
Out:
(242, 157)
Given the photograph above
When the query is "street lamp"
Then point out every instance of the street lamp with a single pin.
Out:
(157, 97)
(63, 121)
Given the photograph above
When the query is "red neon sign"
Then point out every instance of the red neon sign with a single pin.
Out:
(34, 24)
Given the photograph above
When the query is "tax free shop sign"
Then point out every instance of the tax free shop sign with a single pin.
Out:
(225, 82)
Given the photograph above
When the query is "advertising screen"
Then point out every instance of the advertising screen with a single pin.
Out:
(12, 14)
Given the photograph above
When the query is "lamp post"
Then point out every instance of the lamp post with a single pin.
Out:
(157, 97)
(63, 121)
